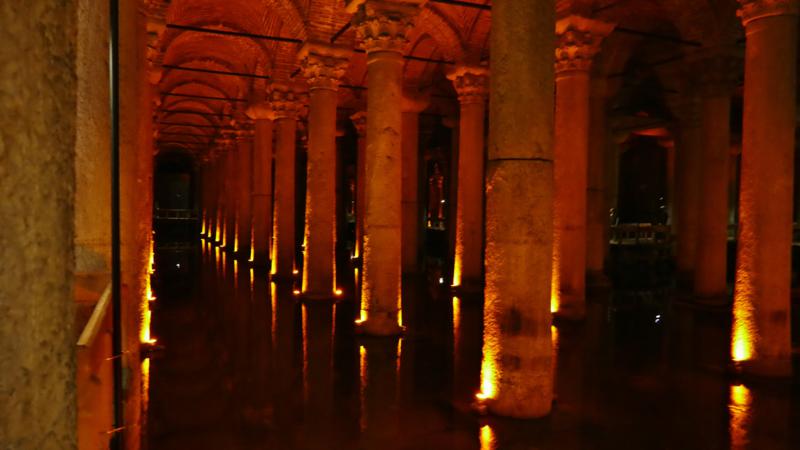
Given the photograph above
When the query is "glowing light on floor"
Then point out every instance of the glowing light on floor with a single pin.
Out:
(739, 409)
(487, 439)
(296, 292)
(338, 292)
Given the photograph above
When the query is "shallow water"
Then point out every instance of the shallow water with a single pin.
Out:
(244, 365)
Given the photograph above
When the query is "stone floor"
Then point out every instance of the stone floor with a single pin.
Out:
(244, 365)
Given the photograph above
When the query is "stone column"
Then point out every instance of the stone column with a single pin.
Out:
(687, 184)
(381, 28)
(244, 191)
(38, 130)
(579, 40)
(360, 122)
(323, 67)
(412, 105)
(762, 319)
(471, 85)
(517, 370)
(261, 113)
(286, 104)
(597, 207)
(231, 185)
(716, 75)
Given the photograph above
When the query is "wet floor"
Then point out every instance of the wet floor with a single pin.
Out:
(244, 365)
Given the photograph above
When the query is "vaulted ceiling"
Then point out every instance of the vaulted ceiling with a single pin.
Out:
(205, 80)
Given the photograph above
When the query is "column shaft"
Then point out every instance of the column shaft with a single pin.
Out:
(244, 187)
(597, 219)
(283, 231)
(687, 184)
(468, 262)
(382, 202)
(517, 370)
(319, 263)
(571, 152)
(231, 185)
(410, 196)
(262, 192)
(361, 173)
(762, 327)
(712, 236)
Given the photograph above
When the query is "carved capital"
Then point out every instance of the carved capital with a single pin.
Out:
(324, 66)
(578, 40)
(383, 25)
(750, 10)
(260, 110)
(471, 83)
(287, 102)
(360, 122)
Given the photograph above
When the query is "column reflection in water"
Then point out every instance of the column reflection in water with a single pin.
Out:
(318, 373)
(467, 343)
(379, 368)
(286, 392)
(760, 417)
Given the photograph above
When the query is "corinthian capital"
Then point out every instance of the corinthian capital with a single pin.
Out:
(383, 25)
(323, 65)
(750, 10)
(471, 83)
(578, 40)
(287, 102)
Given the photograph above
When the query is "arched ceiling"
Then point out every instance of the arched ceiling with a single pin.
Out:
(199, 96)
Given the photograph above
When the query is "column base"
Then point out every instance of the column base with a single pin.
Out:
(319, 297)
(764, 368)
(573, 309)
(714, 301)
(379, 325)
(468, 288)
(597, 281)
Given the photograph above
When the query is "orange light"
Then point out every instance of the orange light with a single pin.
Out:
(487, 438)
(739, 408)
(491, 347)
(362, 369)
(457, 267)
(742, 345)
(338, 292)
(296, 292)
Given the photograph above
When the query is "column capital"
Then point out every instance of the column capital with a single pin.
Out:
(323, 65)
(260, 110)
(360, 122)
(244, 133)
(750, 10)
(578, 40)
(287, 102)
(415, 101)
(383, 25)
(471, 83)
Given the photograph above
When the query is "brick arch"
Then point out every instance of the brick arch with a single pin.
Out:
(432, 23)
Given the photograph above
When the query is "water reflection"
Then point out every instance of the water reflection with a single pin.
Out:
(246, 365)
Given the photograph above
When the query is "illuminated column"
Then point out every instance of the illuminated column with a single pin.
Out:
(38, 127)
(597, 207)
(762, 322)
(717, 80)
(286, 104)
(687, 184)
(323, 67)
(517, 372)
(360, 122)
(244, 191)
(579, 40)
(261, 113)
(411, 221)
(471, 85)
(230, 195)
(381, 28)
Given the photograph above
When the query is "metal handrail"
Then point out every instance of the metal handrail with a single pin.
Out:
(92, 327)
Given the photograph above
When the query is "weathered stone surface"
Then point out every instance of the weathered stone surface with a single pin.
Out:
(38, 91)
